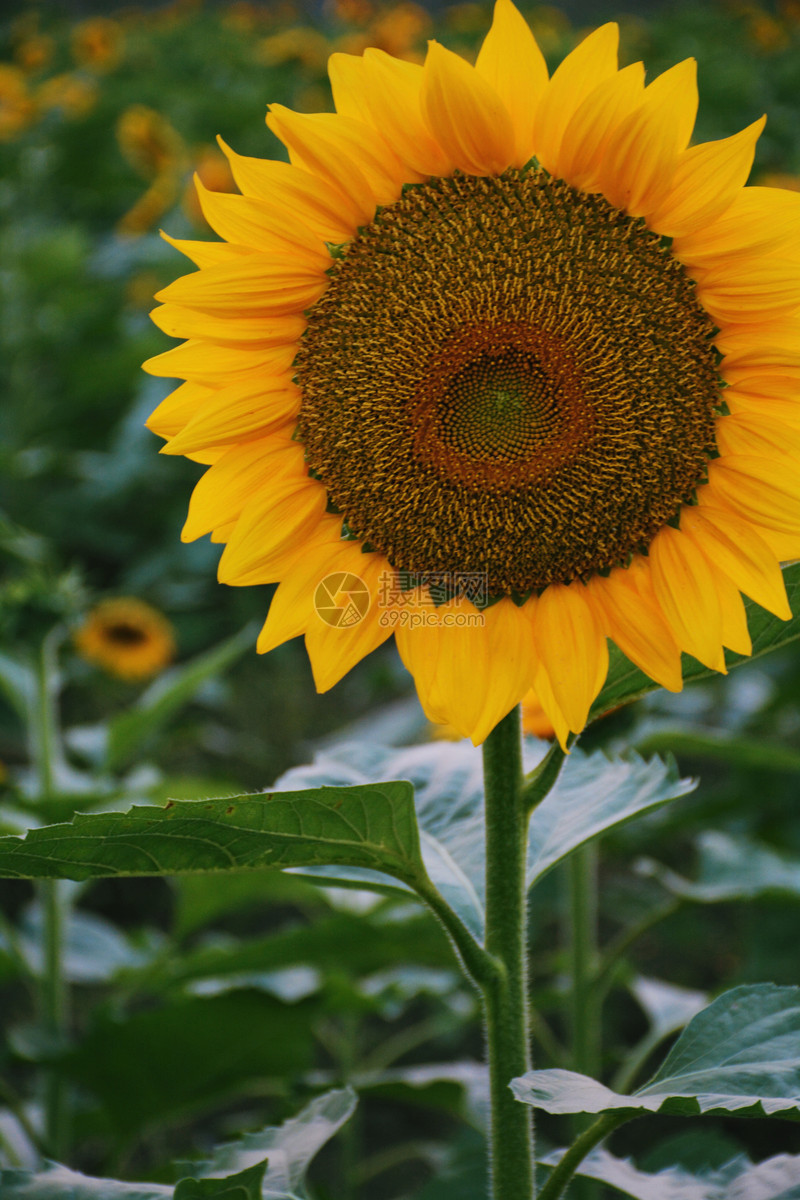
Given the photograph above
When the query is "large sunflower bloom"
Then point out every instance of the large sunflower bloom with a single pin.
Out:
(487, 325)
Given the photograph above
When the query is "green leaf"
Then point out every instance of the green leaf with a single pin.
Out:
(369, 826)
(775, 1179)
(625, 682)
(236, 1170)
(60, 1183)
(668, 1007)
(94, 950)
(447, 779)
(731, 867)
(289, 1148)
(593, 794)
(128, 732)
(721, 745)
(741, 1055)
(244, 1185)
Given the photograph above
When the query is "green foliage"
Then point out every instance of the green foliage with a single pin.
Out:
(737, 1056)
(775, 1179)
(371, 826)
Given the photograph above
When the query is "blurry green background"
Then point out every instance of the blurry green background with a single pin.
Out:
(103, 120)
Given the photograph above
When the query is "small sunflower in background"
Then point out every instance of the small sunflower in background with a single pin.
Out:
(127, 638)
(491, 324)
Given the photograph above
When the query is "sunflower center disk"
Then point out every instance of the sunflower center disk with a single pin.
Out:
(507, 376)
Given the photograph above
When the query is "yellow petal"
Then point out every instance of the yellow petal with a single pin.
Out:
(632, 618)
(761, 342)
(342, 151)
(394, 93)
(208, 254)
(181, 322)
(245, 410)
(589, 64)
(321, 206)
(733, 546)
(511, 665)
(358, 92)
(760, 489)
(735, 634)
(275, 522)
(572, 649)
(782, 408)
(785, 546)
(744, 433)
(758, 220)
(544, 690)
(208, 363)
(642, 154)
(272, 286)
(684, 587)
(335, 650)
(588, 134)
(291, 608)
(706, 181)
(178, 408)
(221, 494)
(267, 228)
(465, 114)
(764, 287)
(470, 667)
(513, 65)
(769, 381)
(419, 645)
(535, 721)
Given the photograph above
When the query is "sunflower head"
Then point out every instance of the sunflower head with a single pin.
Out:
(512, 352)
(127, 638)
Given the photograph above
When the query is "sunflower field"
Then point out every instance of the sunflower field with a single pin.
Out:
(490, 398)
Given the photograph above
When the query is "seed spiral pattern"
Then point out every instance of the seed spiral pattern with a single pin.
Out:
(507, 375)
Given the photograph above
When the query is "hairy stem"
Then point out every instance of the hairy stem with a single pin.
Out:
(45, 751)
(505, 996)
(573, 1158)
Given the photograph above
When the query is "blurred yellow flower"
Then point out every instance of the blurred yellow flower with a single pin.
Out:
(16, 105)
(34, 52)
(156, 150)
(98, 43)
(402, 30)
(148, 141)
(300, 43)
(127, 638)
(71, 94)
(780, 179)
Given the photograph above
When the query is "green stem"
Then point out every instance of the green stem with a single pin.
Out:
(573, 1158)
(584, 1006)
(45, 750)
(615, 950)
(538, 783)
(505, 996)
(584, 1003)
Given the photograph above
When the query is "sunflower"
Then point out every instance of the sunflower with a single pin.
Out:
(127, 638)
(511, 352)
